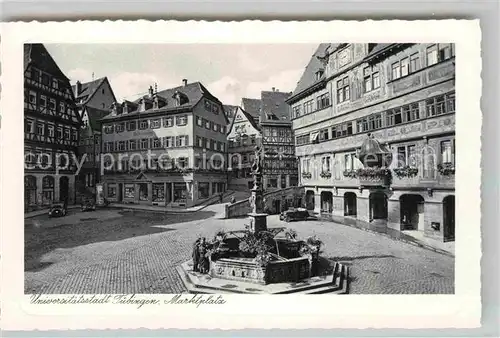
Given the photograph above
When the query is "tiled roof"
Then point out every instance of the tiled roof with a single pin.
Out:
(251, 106)
(194, 92)
(94, 116)
(308, 78)
(377, 48)
(37, 53)
(88, 89)
(274, 108)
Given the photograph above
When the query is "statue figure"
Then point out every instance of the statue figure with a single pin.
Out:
(257, 163)
(196, 255)
(204, 262)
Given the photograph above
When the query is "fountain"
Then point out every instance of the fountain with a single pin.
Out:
(258, 259)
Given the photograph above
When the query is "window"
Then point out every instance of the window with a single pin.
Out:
(182, 162)
(343, 92)
(213, 144)
(144, 143)
(62, 107)
(60, 133)
(450, 103)
(131, 125)
(283, 181)
(394, 117)
(32, 97)
(40, 129)
(121, 145)
(411, 112)
(111, 190)
(206, 123)
(43, 101)
(108, 146)
(207, 143)
(324, 134)
(52, 104)
(45, 79)
(156, 143)
(55, 84)
(143, 124)
(306, 165)
(181, 141)
(296, 111)
(222, 129)
(132, 144)
(181, 120)
(199, 121)
(203, 190)
(215, 127)
(168, 122)
(303, 139)
(28, 126)
(168, 142)
(215, 109)
(323, 101)
(435, 106)
(396, 71)
(406, 156)
(349, 161)
(447, 152)
(108, 129)
(405, 67)
(66, 134)
(325, 164)
(120, 127)
(308, 107)
(199, 141)
(414, 63)
(50, 130)
(221, 146)
(272, 183)
(155, 124)
(35, 74)
(74, 136)
(371, 79)
(432, 55)
(445, 52)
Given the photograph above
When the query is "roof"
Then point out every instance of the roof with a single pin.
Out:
(274, 107)
(377, 48)
(251, 106)
(37, 53)
(249, 117)
(230, 110)
(194, 92)
(308, 77)
(88, 89)
(94, 115)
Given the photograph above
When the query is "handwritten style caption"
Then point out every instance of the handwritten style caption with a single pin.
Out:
(136, 300)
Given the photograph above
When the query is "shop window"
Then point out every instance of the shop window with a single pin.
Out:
(203, 190)
(143, 191)
(180, 193)
(158, 192)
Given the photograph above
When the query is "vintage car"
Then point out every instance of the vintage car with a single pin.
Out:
(295, 214)
(88, 205)
(58, 209)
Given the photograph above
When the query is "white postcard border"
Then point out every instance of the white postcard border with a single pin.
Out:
(461, 310)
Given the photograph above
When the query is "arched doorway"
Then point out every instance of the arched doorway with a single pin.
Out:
(350, 208)
(47, 189)
(412, 212)
(449, 218)
(326, 202)
(29, 190)
(310, 200)
(64, 189)
(378, 206)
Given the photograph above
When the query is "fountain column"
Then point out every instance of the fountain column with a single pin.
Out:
(258, 219)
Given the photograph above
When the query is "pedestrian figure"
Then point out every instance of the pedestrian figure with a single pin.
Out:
(196, 255)
(203, 263)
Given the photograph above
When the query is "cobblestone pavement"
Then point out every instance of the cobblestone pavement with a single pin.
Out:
(112, 251)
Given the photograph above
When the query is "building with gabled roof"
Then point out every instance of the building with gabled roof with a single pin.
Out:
(381, 101)
(51, 130)
(184, 131)
(93, 100)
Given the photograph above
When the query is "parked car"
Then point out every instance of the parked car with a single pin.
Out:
(58, 209)
(295, 214)
(88, 205)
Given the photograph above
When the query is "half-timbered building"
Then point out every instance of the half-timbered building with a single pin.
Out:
(51, 130)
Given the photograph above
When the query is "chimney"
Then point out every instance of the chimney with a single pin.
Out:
(185, 82)
(78, 88)
(151, 91)
(274, 89)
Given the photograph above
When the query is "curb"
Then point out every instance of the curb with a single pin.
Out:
(416, 243)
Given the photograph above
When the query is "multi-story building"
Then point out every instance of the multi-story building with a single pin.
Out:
(93, 100)
(51, 130)
(242, 137)
(184, 131)
(230, 110)
(268, 125)
(280, 163)
(379, 101)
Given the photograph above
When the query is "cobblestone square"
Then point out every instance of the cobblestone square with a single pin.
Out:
(123, 251)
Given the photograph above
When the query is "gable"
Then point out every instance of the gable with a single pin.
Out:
(242, 124)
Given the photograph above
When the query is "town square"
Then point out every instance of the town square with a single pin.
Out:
(332, 172)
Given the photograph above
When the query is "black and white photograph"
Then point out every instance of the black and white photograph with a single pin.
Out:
(254, 169)
(215, 175)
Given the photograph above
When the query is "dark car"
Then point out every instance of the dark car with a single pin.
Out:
(58, 209)
(297, 214)
(88, 205)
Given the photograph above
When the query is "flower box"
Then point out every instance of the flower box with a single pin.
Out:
(406, 172)
(446, 169)
(306, 175)
(325, 174)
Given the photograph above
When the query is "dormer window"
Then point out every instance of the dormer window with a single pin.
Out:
(319, 74)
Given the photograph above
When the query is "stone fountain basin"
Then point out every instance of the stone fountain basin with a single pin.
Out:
(247, 270)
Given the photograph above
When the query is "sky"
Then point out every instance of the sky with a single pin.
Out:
(228, 71)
